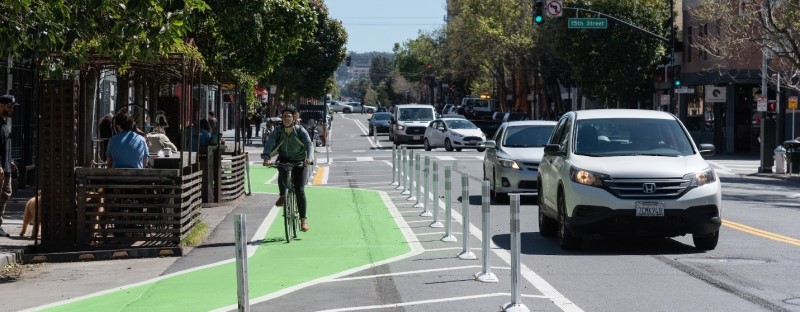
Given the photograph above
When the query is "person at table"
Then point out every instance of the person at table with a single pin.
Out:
(201, 130)
(158, 140)
(126, 149)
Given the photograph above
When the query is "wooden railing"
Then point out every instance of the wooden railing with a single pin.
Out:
(136, 207)
(232, 177)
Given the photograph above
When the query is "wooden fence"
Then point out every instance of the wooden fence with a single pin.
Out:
(136, 207)
(232, 177)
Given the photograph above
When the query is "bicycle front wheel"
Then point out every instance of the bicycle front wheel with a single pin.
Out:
(294, 219)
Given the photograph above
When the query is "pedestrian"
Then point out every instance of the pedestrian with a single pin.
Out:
(7, 166)
(212, 122)
(128, 148)
(291, 143)
(363, 107)
(258, 120)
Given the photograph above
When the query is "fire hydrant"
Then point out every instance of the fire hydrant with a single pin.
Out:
(780, 159)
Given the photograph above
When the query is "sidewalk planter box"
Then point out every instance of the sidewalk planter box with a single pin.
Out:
(134, 208)
(232, 176)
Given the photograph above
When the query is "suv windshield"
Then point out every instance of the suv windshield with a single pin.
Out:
(631, 137)
(416, 114)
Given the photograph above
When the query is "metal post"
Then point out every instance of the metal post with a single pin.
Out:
(486, 275)
(328, 146)
(409, 183)
(401, 183)
(436, 223)
(466, 253)
(425, 211)
(515, 305)
(417, 166)
(395, 171)
(448, 211)
(240, 235)
(375, 134)
(247, 173)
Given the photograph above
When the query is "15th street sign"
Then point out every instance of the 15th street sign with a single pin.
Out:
(588, 23)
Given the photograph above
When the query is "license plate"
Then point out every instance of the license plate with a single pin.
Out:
(472, 142)
(417, 137)
(649, 209)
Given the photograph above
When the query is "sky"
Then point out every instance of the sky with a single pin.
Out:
(375, 25)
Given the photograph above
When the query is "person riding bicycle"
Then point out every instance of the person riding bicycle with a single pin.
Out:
(292, 144)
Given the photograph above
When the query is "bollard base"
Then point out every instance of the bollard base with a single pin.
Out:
(436, 224)
(405, 192)
(412, 198)
(394, 183)
(515, 307)
(467, 255)
(418, 205)
(400, 187)
(426, 214)
(486, 277)
(449, 239)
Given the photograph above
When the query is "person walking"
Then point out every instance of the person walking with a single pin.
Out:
(363, 107)
(7, 166)
(291, 143)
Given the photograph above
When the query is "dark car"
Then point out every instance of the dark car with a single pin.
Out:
(380, 121)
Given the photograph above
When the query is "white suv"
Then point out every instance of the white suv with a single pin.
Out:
(627, 172)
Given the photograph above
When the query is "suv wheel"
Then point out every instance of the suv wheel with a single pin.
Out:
(370, 111)
(500, 198)
(346, 111)
(706, 241)
(547, 226)
(565, 238)
(427, 145)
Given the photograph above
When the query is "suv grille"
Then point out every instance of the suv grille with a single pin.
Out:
(415, 130)
(647, 188)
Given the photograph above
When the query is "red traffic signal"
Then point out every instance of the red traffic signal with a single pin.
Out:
(771, 106)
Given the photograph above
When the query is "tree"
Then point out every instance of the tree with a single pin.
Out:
(306, 72)
(736, 34)
(380, 69)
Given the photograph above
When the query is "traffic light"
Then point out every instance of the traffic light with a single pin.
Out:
(771, 106)
(538, 12)
(678, 82)
(347, 62)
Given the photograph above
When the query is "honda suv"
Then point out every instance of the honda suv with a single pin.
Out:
(630, 173)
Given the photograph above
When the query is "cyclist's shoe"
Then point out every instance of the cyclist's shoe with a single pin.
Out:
(280, 201)
(303, 225)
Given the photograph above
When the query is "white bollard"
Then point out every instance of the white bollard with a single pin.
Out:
(448, 211)
(409, 182)
(375, 134)
(466, 253)
(435, 182)
(395, 171)
(515, 305)
(426, 173)
(401, 182)
(417, 166)
(486, 275)
(328, 146)
(240, 237)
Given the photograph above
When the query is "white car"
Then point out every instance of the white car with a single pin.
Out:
(511, 161)
(340, 108)
(453, 134)
(357, 107)
(627, 172)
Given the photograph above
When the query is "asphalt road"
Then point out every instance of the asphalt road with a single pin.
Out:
(755, 266)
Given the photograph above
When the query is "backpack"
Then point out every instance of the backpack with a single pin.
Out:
(279, 138)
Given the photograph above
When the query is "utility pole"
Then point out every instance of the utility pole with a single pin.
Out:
(672, 102)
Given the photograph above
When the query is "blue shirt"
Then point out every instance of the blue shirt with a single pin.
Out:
(205, 137)
(127, 149)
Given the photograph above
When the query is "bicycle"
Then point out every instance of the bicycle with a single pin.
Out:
(291, 216)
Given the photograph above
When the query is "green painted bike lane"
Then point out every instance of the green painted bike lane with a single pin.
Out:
(350, 228)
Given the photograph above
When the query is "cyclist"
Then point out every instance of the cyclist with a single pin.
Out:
(291, 143)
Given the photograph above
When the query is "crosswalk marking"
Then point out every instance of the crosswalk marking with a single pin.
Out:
(364, 159)
(445, 158)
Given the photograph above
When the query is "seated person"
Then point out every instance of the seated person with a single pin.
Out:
(126, 149)
(202, 131)
(158, 139)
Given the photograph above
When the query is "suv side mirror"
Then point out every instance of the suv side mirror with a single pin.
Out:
(552, 149)
(707, 149)
(490, 144)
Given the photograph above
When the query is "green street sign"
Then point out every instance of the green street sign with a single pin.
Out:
(588, 23)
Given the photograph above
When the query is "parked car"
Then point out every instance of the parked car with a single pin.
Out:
(380, 122)
(357, 107)
(630, 173)
(511, 161)
(340, 107)
(453, 134)
(409, 123)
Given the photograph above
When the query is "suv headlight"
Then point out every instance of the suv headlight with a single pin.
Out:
(401, 127)
(508, 163)
(701, 177)
(586, 177)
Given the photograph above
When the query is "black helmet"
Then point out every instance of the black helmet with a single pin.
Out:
(289, 109)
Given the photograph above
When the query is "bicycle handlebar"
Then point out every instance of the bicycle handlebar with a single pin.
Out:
(287, 164)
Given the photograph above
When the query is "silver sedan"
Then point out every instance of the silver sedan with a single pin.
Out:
(511, 161)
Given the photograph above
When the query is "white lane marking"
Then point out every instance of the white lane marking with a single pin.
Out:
(406, 273)
(364, 159)
(421, 302)
(479, 157)
(435, 233)
(445, 158)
